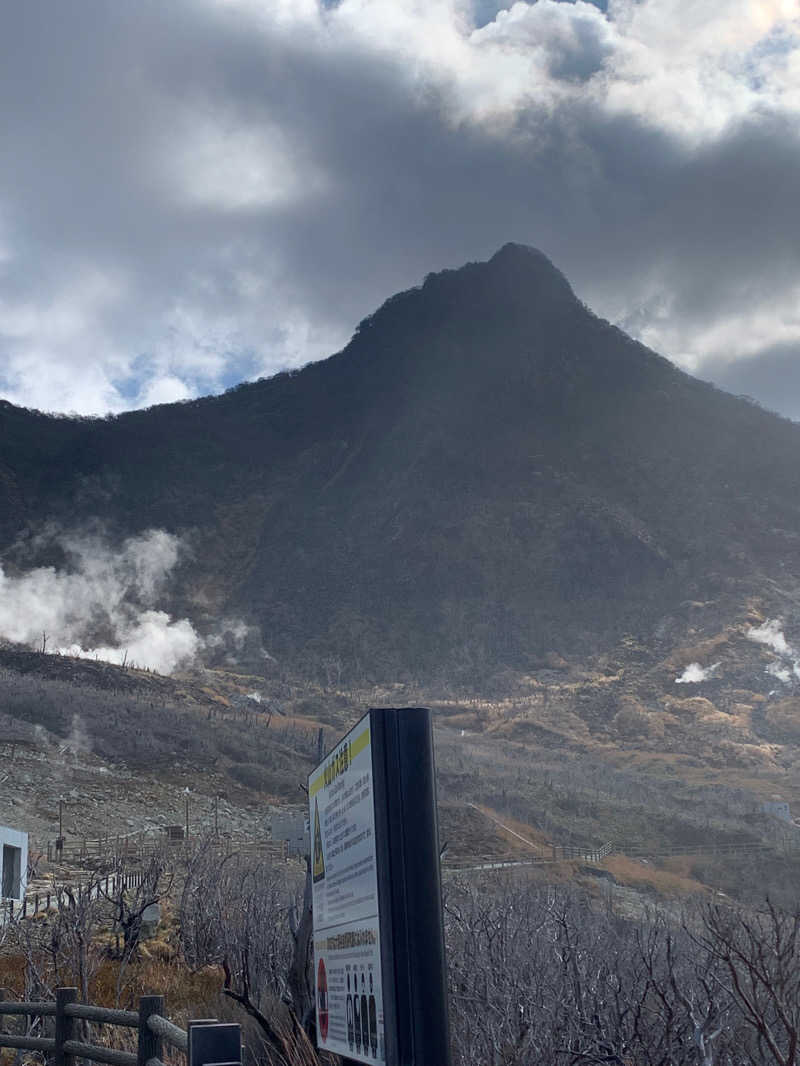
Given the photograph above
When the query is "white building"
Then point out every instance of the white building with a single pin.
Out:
(292, 827)
(13, 863)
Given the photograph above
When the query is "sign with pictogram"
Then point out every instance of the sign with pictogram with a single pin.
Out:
(318, 872)
(345, 901)
(381, 990)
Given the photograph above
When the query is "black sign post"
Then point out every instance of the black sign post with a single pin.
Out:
(212, 1043)
(378, 930)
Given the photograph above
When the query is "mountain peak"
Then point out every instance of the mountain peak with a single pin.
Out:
(528, 267)
(514, 252)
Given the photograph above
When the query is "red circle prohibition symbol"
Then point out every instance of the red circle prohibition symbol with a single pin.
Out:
(322, 999)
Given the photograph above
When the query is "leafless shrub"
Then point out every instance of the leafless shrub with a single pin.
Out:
(245, 914)
(758, 953)
(539, 975)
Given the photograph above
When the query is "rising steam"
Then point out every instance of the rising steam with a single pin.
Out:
(786, 666)
(695, 673)
(103, 604)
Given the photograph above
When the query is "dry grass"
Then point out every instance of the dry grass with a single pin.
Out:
(665, 882)
(538, 841)
(185, 991)
(187, 995)
(11, 973)
(703, 651)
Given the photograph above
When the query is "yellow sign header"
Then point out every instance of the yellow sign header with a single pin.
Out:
(338, 762)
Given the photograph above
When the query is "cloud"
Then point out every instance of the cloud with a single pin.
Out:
(166, 389)
(205, 191)
(101, 593)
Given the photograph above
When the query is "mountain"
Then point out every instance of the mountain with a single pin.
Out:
(486, 475)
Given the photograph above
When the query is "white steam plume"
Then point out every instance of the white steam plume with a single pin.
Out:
(78, 739)
(780, 672)
(105, 594)
(695, 673)
(153, 640)
(771, 634)
(787, 665)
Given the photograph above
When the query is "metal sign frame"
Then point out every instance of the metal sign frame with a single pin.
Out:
(213, 1042)
(412, 959)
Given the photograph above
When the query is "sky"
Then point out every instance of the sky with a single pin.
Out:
(201, 192)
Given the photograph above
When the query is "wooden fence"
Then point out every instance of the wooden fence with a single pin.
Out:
(52, 899)
(143, 844)
(152, 1028)
(634, 850)
(554, 853)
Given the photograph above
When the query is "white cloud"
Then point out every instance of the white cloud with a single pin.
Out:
(214, 162)
(186, 224)
(166, 389)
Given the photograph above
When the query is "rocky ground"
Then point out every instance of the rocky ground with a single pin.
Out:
(678, 742)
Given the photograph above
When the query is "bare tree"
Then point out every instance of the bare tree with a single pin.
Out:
(759, 953)
(545, 975)
(63, 948)
(130, 893)
(243, 913)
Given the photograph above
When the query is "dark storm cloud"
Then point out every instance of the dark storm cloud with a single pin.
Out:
(195, 192)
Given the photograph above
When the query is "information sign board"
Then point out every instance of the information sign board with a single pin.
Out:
(379, 966)
(347, 925)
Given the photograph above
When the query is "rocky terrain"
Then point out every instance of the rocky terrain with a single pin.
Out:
(664, 750)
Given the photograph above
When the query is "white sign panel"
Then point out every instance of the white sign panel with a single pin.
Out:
(347, 950)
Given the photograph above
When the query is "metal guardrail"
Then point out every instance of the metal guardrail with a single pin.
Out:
(153, 1030)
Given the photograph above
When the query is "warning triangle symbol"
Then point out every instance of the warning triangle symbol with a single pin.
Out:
(319, 858)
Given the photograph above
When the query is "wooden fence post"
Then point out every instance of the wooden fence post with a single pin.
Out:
(65, 1026)
(5, 997)
(149, 1045)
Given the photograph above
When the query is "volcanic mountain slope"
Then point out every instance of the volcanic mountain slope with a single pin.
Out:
(487, 473)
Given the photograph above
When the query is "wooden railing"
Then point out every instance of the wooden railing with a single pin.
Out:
(632, 849)
(34, 903)
(550, 854)
(152, 1028)
(144, 843)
